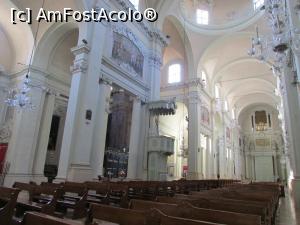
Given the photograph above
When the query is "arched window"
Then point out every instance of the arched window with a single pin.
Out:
(174, 75)
(204, 78)
(202, 16)
(135, 3)
(257, 4)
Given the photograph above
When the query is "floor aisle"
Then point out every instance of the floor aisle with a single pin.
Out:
(287, 215)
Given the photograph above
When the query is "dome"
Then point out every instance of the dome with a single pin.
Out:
(216, 15)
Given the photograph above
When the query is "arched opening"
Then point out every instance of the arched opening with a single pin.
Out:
(56, 58)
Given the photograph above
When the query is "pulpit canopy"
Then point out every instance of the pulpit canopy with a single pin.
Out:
(163, 107)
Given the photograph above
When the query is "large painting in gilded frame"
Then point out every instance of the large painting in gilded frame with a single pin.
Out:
(127, 54)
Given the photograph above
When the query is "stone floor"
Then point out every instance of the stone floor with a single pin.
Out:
(287, 214)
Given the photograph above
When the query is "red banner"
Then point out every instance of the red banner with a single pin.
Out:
(3, 149)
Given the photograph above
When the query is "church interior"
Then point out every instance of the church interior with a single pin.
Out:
(193, 118)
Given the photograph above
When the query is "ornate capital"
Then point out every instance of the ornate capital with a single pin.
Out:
(81, 49)
(194, 98)
(196, 82)
(79, 66)
(155, 60)
(160, 38)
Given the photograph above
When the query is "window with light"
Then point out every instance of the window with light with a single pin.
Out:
(135, 3)
(174, 74)
(202, 16)
(258, 3)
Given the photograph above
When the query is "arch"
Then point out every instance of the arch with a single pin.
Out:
(21, 49)
(187, 45)
(257, 98)
(49, 40)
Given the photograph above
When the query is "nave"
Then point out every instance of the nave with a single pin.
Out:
(194, 202)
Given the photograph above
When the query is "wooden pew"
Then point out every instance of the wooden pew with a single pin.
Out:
(253, 195)
(238, 200)
(40, 199)
(8, 199)
(115, 215)
(186, 210)
(73, 196)
(34, 218)
(156, 217)
(132, 217)
(118, 194)
(101, 192)
(221, 205)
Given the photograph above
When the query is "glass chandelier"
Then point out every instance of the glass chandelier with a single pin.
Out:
(20, 97)
(272, 48)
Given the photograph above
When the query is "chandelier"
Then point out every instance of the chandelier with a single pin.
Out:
(20, 97)
(272, 48)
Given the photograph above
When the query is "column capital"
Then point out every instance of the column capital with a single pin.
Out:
(80, 64)
(155, 59)
(194, 98)
(80, 49)
(136, 99)
(159, 38)
(196, 82)
(105, 81)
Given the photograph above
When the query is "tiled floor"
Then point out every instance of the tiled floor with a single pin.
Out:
(287, 214)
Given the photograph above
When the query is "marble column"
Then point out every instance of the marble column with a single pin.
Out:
(99, 139)
(75, 159)
(42, 145)
(134, 139)
(79, 70)
(194, 142)
(291, 102)
(23, 143)
(159, 42)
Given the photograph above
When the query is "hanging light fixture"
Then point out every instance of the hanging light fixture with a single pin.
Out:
(19, 97)
(272, 48)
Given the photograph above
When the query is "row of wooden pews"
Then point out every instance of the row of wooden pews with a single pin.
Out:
(145, 202)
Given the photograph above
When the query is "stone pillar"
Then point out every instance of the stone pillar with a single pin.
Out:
(159, 42)
(23, 143)
(134, 139)
(194, 113)
(79, 70)
(99, 137)
(291, 101)
(76, 153)
(42, 146)
(208, 160)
